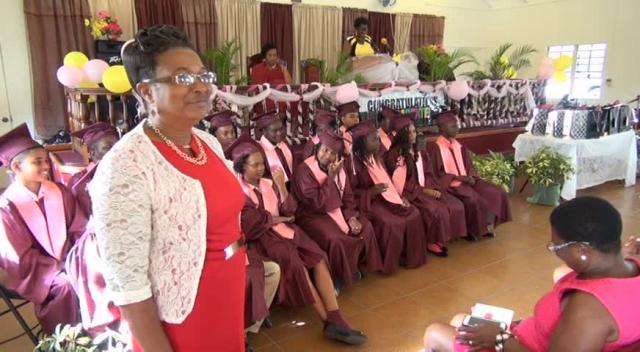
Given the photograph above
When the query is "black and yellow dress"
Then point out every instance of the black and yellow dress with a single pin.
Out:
(360, 50)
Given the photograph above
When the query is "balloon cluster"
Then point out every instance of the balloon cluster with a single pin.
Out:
(555, 69)
(80, 72)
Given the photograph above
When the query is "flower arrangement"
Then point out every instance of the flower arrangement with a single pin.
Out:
(104, 26)
(495, 168)
(505, 62)
(68, 338)
(547, 167)
(436, 64)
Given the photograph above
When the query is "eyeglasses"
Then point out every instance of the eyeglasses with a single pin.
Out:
(554, 248)
(186, 79)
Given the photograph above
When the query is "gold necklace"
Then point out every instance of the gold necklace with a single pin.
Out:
(201, 159)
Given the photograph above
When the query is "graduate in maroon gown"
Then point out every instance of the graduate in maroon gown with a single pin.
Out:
(349, 116)
(486, 205)
(84, 265)
(398, 224)
(384, 126)
(267, 222)
(39, 225)
(223, 127)
(276, 150)
(328, 212)
(323, 121)
(405, 164)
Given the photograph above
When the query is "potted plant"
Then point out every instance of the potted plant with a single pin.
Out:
(547, 171)
(436, 64)
(103, 26)
(70, 338)
(505, 62)
(496, 168)
(220, 61)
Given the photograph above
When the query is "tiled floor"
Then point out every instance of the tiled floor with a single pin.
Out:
(513, 270)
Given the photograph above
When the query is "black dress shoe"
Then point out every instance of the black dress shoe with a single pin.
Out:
(489, 235)
(344, 335)
(471, 238)
(267, 323)
(441, 254)
(247, 347)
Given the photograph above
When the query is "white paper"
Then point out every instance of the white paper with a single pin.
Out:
(485, 311)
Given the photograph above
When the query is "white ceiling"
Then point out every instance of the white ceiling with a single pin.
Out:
(486, 4)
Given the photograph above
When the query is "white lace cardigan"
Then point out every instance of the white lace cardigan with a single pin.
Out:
(150, 221)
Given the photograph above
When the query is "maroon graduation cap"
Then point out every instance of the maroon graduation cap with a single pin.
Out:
(363, 128)
(333, 141)
(401, 121)
(222, 118)
(266, 119)
(15, 142)
(243, 146)
(95, 132)
(347, 108)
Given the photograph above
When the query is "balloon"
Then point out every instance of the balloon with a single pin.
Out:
(562, 63)
(94, 70)
(69, 76)
(75, 59)
(115, 79)
(560, 76)
(458, 90)
(347, 93)
(546, 69)
(87, 84)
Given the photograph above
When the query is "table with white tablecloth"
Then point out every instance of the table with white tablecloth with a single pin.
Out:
(595, 161)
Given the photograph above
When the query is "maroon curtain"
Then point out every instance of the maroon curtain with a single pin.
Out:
(426, 30)
(200, 23)
(54, 27)
(276, 27)
(381, 25)
(153, 12)
(349, 15)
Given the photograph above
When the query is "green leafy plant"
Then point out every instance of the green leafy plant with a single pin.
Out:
(495, 168)
(547, 167)
(70, 338)
(505, 62)
(338, 75)
(220, 61)
(436, 64)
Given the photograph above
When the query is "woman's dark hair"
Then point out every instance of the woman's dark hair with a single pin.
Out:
(139, 56)
(360, 21)
(238, 165)
(314, 127)
(266, 48)
(360, 147)
(381, 117)
(401, 140)
(589, 219)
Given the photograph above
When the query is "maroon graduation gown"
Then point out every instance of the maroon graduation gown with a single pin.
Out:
(345, 251)
(308, 148)
(294, 256)
(480, 200)
(255, 306)
(33, 273)
(400, 231)
(78, 185)
(435, 213)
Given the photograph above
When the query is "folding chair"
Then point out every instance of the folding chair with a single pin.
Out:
(7, 297)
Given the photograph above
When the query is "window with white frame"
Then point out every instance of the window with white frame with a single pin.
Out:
(585, 76)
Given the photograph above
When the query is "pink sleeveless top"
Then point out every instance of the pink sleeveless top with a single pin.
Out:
(621, 297)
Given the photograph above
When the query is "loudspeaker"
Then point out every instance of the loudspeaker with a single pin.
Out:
(109, 51)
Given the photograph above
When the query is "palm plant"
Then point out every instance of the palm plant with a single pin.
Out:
(436, 64)
(505, 62)
(338, 75)
(220, 61)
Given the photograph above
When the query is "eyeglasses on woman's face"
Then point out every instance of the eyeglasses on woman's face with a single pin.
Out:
(554, 248)
(186, 79)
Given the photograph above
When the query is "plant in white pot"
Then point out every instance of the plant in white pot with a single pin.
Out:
(547, 170)
(495, 168)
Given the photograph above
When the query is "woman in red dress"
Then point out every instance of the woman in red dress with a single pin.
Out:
(172, 246)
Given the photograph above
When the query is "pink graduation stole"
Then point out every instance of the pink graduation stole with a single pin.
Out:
(88, 173)
(420, 167)
(451, 153)
(270, 202)
(272, 156)
(49, 231)
(379, 175)
(315, 140)
(384, 139)
(399, 176)
(348, 140)
(320, 176)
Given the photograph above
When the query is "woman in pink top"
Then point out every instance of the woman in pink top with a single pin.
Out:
(594, 308)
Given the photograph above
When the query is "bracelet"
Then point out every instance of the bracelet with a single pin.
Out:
(501, 338)
(499, 347)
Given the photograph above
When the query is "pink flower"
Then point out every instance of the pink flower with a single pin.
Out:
(102, 14)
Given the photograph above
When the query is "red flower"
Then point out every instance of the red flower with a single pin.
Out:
(113, 28)
(103, 14)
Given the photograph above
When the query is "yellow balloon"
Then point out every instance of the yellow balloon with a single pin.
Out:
(75, 59)
(88, 84)
(562, 63)
(560, 76)
(115, 79)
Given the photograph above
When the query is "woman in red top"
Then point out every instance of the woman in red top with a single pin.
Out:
(272, 72)
(594, 308)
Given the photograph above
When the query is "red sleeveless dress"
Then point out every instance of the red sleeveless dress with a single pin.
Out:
(216, 322)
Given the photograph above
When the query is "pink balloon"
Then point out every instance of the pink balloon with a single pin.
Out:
(69, 76)
(347, 93)
(94, 70)
(458, 90)
(546, 69)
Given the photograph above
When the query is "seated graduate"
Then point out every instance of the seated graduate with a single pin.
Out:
(84, 265)
(486, 205)
(398, 224)
(595, 307)
(276, 150)
(40, 222)
(328, 212)
(323, 121)
(99, 139)
(384, 126)
(406, 165)
(267, 222)
(349, 116)
(223, 127)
